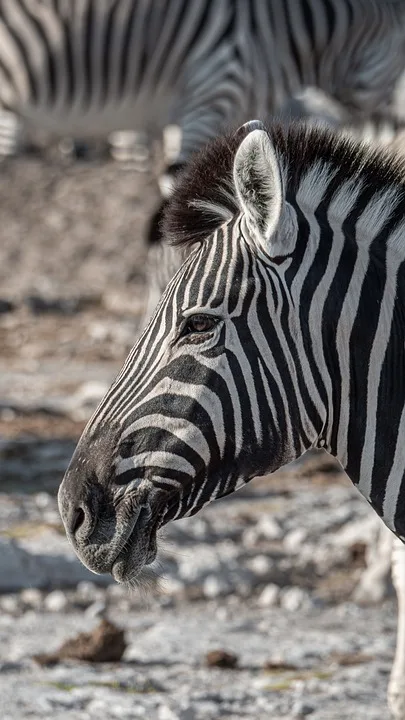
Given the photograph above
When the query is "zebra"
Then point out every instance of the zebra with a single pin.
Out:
(315, 106)
(282, 330)
(96, 67)
(318, 107)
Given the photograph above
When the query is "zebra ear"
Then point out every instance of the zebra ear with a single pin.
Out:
(258, 183)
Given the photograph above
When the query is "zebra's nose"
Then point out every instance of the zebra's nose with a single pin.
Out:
(79, 514)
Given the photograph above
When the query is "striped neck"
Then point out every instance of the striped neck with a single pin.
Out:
(351, 291)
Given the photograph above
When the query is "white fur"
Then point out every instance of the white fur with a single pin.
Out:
(259, 188)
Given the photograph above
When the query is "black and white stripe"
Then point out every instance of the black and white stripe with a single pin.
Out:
(282, 330)
(93, 67)
(319, 304)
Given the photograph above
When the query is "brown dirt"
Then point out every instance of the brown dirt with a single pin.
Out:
(106, 643)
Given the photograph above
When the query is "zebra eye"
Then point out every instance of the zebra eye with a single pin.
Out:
(199, 324)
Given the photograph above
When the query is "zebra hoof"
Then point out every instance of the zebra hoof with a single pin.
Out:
(396, 698)
(76, 149)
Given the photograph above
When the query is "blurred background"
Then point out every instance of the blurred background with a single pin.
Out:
(263, 605)
(268, 575)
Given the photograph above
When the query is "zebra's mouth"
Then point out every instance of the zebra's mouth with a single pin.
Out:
(140, 548)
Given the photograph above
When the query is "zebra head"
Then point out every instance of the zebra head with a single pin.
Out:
(232, 377)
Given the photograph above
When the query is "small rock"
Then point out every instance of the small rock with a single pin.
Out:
(6, 306)
(348, 659)
(301, 709)
(250, 537)
(31, 597)
(9, 666)
(294, 540)
(106, 643)
(88, 590)
(221, 658)
(10, 604)
(241, 581)
(172, 586)
(101, 708)
(208, 709)
(278, 665)
(97, 609)
(215, 586)
(87, 593)
(56, 700)
(222, 613)
(56, 601)
(261, 565)
(294, 598)
(269, 528)
(166, 713)
(40, 305)
(43, 500)
(269, 596)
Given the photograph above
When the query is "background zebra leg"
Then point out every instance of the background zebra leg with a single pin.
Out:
(131, 146)
(396, 687)
(163, 261)
(375, 582)
(11, 130)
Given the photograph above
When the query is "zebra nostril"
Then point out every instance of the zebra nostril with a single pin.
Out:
(78, 518)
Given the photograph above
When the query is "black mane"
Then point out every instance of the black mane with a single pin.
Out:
(204, 196)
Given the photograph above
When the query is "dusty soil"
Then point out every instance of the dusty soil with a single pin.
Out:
(72, 266)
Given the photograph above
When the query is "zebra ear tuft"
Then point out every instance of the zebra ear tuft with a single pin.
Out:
(248, 127)
(258, 183)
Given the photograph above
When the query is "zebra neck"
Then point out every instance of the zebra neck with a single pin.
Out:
(365, 377)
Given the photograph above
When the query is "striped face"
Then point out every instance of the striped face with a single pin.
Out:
(198, 409)
(200, 406)
(262, 345)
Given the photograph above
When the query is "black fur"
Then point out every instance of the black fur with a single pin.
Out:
(208, 177)
(154, 228)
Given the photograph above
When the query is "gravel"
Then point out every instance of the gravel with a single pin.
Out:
(270, 574)
(214, 595)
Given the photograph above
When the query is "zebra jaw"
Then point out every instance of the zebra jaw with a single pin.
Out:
(139, 545)
(139, 549)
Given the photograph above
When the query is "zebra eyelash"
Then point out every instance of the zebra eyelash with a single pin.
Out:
(194, 336)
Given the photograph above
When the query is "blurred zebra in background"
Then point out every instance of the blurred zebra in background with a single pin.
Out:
(339, 61)
(94, 67)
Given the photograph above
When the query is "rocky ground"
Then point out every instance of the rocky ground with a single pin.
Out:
(268, 576)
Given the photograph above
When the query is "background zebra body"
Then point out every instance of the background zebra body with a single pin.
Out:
(282, 330)
(93, 67)
(83, 64)
(90, 67)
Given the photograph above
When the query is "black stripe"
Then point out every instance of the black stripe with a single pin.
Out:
(88, 46)
(330, 18)
(361, 341)
(108, 47)
(26, 62)
(330, 318)
(50, 69)
(295, 51)
(391, 400)
(67, 52)
(126, 48)
(308, 18)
